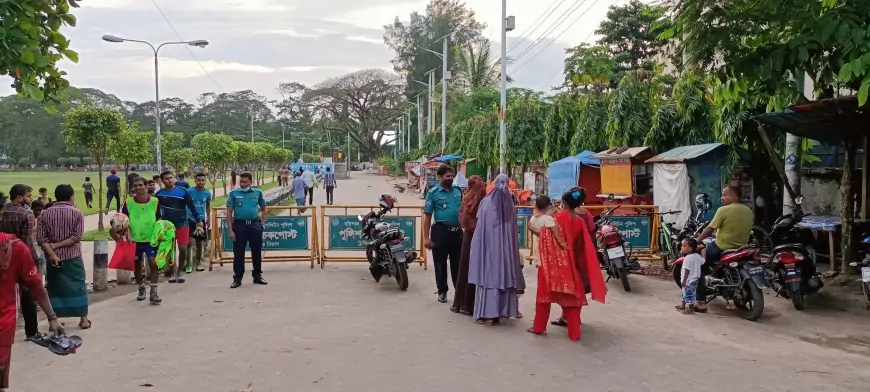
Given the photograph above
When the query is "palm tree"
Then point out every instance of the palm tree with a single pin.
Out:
(477, 65)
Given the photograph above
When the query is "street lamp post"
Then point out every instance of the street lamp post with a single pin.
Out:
(201, 43)
(507, 24)
(445, 76)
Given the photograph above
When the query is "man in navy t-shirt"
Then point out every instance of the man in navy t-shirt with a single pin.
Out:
(113, 190)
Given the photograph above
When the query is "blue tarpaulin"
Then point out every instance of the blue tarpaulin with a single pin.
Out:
(445, 158)
(565, 173)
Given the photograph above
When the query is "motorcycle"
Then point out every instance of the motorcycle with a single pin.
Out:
(864, 265)
(792, 270)
(385, 251)
(738, 276)
(611, 250)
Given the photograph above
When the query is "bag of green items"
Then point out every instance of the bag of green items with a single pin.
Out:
(163, 238)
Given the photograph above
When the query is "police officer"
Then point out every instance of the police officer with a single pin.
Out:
(443, 235)
(246, 212)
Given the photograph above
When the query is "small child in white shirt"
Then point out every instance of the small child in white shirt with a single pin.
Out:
(691, 272)
(543, 219)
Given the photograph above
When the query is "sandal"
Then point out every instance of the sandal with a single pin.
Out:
(687, 311)
(454, 309)
(730, 307)
(487, 322)
(679, 307)
(532, 331)
(519, 315)
(700, 310)
(85, 326)
(559, 322)
(36, 338)
(62, 344)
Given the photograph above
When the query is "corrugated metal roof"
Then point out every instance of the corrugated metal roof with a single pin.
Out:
(684, 153)
(621, 152)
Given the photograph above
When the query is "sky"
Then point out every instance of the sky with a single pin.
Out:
(257, 44)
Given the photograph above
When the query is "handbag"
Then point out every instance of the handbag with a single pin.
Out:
(124, 257)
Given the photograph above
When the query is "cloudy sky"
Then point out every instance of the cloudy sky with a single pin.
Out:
(255, 44)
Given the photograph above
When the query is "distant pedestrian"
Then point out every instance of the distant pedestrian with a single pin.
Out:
(246, 210)
(201, 197)
(173, 204)
(18, 270)
(43, 196)
(441, 230)
(130, 176)
(329, 184)
(299, 190)
(285, 176)
(233, 176)
(17, 220)
(141, 210)
(309, 178)
(60, 234)
(113, 190)
(88, 187)
(181, 183)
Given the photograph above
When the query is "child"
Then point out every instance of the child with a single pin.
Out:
(691, 272)
(89, 191)
(36, 208)
(43, 196)
(543, 218)
(141, 210)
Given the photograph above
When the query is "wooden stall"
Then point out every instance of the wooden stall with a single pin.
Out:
(625, 174)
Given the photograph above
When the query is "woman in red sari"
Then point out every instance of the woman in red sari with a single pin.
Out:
(569, 268)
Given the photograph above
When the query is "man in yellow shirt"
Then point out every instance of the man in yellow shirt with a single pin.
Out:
(733, 225)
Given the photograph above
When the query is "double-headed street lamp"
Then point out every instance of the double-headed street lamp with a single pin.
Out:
(200, 43)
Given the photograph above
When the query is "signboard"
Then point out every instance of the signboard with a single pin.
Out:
(524, 232)
(634, 229)
(280, 233)
(344, 232)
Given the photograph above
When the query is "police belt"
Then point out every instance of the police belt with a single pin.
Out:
(448, 227)
(246, 222)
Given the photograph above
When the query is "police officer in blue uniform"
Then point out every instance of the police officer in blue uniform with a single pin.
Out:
(441, 231)
(246, 212)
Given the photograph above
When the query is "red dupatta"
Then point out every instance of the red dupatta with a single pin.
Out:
(576, 234)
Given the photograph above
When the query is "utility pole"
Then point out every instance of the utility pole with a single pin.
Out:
(793, 145)
(507, 24)
(252, 123)
(430, 121)
(400, 139)
(445, 75)
(396, 142)
(408, 130)
(419, 125)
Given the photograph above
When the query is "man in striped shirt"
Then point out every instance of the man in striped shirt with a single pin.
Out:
(17, 220)
(330, 184)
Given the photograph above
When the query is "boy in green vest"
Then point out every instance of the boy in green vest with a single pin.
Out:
(141, 209)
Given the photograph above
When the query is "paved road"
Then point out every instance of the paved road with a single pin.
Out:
(335, 330)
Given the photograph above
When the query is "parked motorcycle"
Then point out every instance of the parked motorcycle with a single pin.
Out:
(792, 270)
(612, 253)
(385, 251)
(864, 265)
(738, 276)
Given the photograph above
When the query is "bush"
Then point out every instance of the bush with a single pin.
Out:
(390, 163)
(311, 158)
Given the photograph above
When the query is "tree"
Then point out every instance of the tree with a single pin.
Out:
(91, 129)
(31, 44)
(588, 69)
(131, 147)
(361, 104)
(172, 143)
(631, 31)
(477, 65)
(215, 151)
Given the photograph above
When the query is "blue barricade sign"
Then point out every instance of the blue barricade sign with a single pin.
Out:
(634, 229)
(344, 232)
(280, 233)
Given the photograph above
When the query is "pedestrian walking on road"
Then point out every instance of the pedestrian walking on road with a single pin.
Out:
(463, 299)
(18, 269)
(441, 231)
(17, 220)
(494, 265)
(285, 176)
(201, 197)
(113, 190)
(89, 191)
(329, 184)
(60, 234)
(173, 204)
(141, 210)
(299, 191)
(246, 209)
(310, 180)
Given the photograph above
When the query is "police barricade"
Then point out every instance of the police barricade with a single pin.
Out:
(527, 240)
(341, 237)
(639, 231)
(290, 233)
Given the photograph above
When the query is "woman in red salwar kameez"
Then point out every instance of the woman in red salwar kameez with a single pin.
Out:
(567, 268)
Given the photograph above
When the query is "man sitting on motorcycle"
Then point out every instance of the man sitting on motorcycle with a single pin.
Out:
(733, 225)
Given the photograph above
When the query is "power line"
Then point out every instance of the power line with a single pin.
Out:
(540, 21)
(577, 4)
(557, 37)
(177, 35)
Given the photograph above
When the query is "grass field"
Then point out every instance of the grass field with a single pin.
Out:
(50, 180)
(97, 234)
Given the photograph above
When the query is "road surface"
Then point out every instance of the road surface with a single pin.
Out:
(334, 329)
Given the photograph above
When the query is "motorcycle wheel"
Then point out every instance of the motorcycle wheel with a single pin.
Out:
(401, 276)
(676, 275)
(753, 308)
(623, 277)
(797, 299)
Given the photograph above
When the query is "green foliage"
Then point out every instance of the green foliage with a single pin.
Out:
(216, 151)
(311, 158)
(588, 69)
(131, 146)
(172, 144)
(31, 44)
(631, 32)
(389, 163)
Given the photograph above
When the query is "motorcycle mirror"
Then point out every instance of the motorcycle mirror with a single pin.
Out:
(360, 217)
(798, 200)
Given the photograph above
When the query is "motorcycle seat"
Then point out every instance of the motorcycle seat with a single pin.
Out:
(731, 255)
(728, 252)
(793, 246)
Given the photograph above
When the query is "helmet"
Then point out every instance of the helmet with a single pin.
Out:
(702, 201)
(387, 201)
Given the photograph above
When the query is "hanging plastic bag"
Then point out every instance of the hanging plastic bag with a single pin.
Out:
(124, 257)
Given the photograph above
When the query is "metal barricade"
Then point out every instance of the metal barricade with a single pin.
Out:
(342, 232)
(292, 235)
(639, 231)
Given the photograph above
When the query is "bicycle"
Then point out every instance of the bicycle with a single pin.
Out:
(667, 241)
